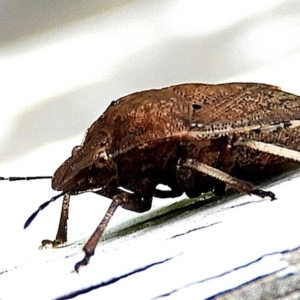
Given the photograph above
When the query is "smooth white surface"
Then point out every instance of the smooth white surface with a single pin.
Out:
(56, 83)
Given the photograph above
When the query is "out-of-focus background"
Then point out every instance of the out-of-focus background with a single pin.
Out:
(63, 62)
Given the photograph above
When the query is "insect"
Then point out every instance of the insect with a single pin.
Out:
(193, 138)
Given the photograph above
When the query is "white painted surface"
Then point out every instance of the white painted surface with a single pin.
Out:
(55, 83)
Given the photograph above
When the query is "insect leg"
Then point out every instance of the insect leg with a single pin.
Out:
(134, 202)
(89, 247)
(61, 236)
(236, 183)
(268, 148)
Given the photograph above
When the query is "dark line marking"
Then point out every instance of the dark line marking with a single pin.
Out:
(111, 281)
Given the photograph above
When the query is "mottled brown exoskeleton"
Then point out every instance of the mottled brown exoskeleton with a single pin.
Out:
(194, 138)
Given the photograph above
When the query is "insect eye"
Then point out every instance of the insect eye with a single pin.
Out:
(103, 142)
(100, 159)
(76, 150)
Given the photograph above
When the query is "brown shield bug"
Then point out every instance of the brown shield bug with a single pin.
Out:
(193, 138)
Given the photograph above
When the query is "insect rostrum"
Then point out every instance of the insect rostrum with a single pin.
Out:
(194, 138)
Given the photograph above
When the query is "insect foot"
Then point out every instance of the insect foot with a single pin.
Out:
(194, 138)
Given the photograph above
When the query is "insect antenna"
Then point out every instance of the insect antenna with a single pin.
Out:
(41, 207)
(25, 178)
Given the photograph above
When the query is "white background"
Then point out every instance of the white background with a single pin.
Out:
(61, 64)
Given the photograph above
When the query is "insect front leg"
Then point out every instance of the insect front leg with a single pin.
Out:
(61, 236)
(131, 201)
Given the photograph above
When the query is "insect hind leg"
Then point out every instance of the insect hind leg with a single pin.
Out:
(268, 148)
